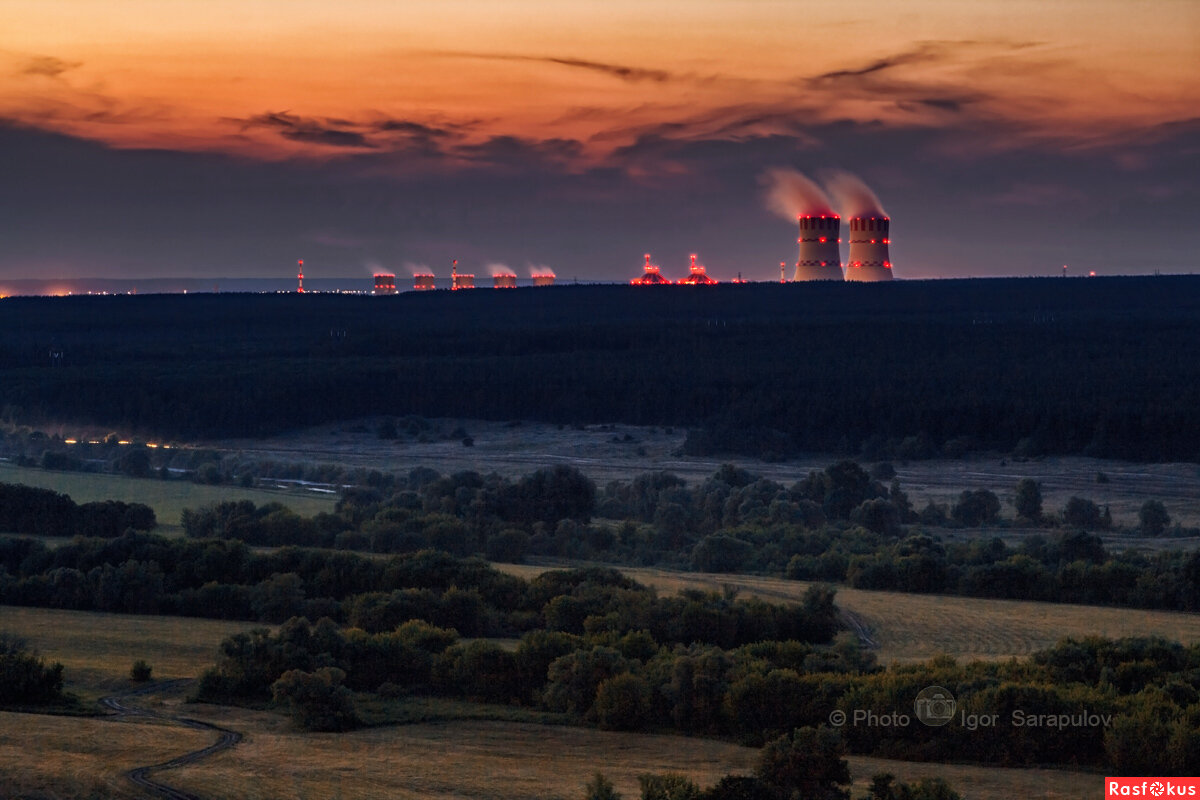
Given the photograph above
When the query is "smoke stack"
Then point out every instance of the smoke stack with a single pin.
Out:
(869, 259)
(820, 254)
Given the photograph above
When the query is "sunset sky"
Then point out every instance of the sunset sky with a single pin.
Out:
(222, 138)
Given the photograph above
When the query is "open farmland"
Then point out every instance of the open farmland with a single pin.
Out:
(167, 498)
(913, 627)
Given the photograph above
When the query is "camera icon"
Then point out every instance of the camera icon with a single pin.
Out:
(935, 706)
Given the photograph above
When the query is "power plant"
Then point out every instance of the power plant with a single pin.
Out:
(504, 280)
(423, 281)
(385, 283)
(697, 276)
(869, 240)
(820, 254)
(543, 278)
(651, 275)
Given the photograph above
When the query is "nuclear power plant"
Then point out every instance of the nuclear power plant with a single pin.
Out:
(424, 281)
(869, 259)
(697, 276)
(820, 253)
(504, 280)
(651, 275)
(385, 283)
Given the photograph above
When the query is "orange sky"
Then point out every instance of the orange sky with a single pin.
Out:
(195, 75)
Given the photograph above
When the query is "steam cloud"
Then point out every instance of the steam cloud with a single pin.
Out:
(853, 197)
(417, 269)
(540, 271)
(791, 194)
(497, 269)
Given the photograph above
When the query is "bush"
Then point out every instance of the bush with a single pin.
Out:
(667, 787)
(24, 678)
(140, 671)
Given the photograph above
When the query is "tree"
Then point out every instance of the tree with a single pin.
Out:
(318, 700)
(622, 702)
(141, 671)
(135, 463)
(1153, 518)
(1028, 501)
(600, 788)
(976, 508)
(739, 787)
(1081, 513)
(806, 765)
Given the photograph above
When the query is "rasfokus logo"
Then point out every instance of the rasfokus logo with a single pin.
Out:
(1152, 787)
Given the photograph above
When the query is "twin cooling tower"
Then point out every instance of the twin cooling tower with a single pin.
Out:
(820, 253)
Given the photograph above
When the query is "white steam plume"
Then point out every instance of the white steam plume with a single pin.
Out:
(540, 271)
(496, 268)
(417, 269)
(791, 194)
(853, 197)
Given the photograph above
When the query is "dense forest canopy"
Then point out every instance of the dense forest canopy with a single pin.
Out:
(909, 369)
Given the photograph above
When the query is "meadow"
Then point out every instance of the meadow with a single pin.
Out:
(456, 757)
(167, 498)
(913, 627)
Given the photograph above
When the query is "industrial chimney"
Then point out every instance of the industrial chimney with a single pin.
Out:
(820, 254)
(869, 259)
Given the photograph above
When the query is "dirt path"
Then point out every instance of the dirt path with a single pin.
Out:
(140, 776)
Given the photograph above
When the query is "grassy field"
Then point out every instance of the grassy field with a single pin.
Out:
(73, 757)
(912, 627)
(98, 649)
(468, 759)
(167, 498)
(454, 758)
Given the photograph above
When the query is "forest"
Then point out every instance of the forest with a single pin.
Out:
(906, 370)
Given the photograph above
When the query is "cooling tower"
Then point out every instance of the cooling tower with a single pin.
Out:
(543, 279)
(820, 254)
(504, 280)
(423, 281)
(385, 283)
(462, 280)
(869, 259)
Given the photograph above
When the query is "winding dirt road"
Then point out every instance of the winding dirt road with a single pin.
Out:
(120, 704)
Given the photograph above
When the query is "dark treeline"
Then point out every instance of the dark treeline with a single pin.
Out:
(909, 369)
(43, 512)
(1131, 704)
(146, 574)
(838, 525)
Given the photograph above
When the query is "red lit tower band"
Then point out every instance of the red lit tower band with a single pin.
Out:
(820, 257)
(869, 259)
(300, 276)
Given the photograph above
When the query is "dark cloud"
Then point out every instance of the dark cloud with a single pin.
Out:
(415, 129)
(330, 132)
(49, 66)
(515, 151)
(620, 71)
(625, 73)
(923, 52)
